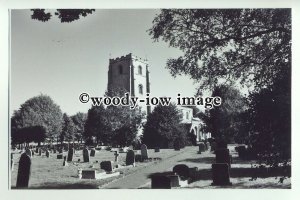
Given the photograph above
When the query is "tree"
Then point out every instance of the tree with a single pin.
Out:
(98, 125)
(79, 120)
(224, 122)
(163, 127)
(269, 115)
(251, 46)
(39, 111)
(68, 129)
(65, 15)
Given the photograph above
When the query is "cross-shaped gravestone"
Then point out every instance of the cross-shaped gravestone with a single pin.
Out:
(116, 156)
(24, 171)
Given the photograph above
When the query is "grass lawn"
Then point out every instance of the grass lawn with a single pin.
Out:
(49, 173)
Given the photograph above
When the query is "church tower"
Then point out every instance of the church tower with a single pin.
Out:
(132, 74)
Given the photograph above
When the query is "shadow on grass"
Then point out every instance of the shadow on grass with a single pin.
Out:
(206, 174)
(211, 160)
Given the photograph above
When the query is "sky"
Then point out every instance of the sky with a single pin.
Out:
(63, 60)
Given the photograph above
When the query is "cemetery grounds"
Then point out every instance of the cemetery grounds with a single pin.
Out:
(49, 173)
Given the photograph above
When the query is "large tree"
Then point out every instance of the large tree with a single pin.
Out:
(79, 120)
(163, 127)
(68, 129)
(225, 122)
(251, 46)
(98, 125)
(269, 117)
(39, 111)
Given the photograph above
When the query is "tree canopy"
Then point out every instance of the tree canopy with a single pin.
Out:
(225, 122)
(251, 46)
(39, 111)
(163, 127)
(79, 120)
(65, 15)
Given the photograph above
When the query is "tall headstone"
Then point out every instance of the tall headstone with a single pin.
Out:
(36, 150)
(40, 152)
(222, 156)
(86, 156)
(93, 152)
(130, 158)
(144, 152)
(70, 155)
(24, 171)
(220, 174)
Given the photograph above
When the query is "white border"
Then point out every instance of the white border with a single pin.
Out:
(273, 194)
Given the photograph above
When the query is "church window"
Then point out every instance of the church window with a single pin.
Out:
(141, 89)
(140, 70)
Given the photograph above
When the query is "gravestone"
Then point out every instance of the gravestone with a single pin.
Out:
(88, 174)
(116, 156)
(86, 156)
(28, 152)
(36, 150)
(40, 152)
(65, 161)
(47, 154)
(144, 152)
(202, 147)
(23, 171)
(220, 174)
(222, 156)
(182, 170)
(130, 158)
(107, 166)
(32, 152)
(59, 156)
(93, 152)
(157, 149)
(165, 180)
(70, 155)
(177, 145)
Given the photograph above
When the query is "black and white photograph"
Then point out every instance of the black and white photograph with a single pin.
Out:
(150, 98)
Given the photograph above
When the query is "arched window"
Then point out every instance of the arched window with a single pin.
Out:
(140, 88)
(140, 70)
(120, 69)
